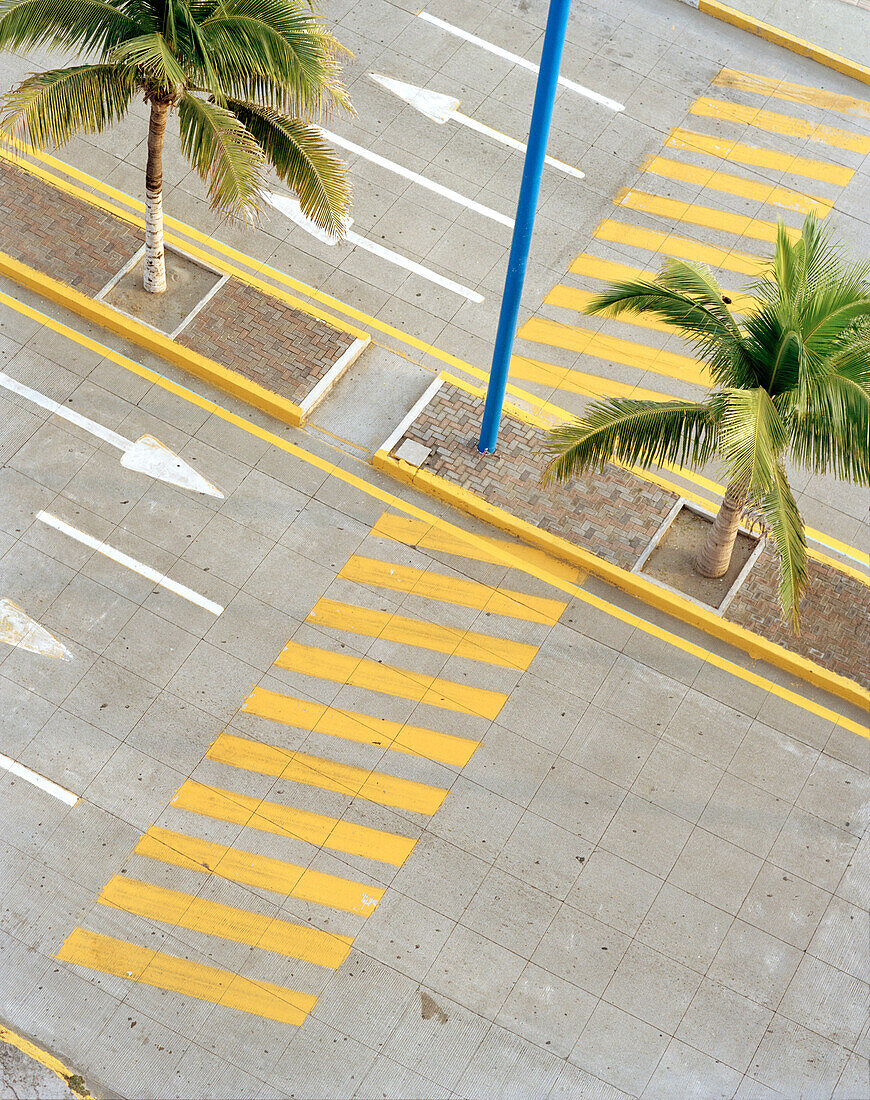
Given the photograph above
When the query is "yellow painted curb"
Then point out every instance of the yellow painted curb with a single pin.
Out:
(43, 1057)
(754, 644)
(224, 379)
(783, 38)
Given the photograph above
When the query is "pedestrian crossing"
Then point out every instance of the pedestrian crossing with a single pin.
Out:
(754, 150)
(247, 840)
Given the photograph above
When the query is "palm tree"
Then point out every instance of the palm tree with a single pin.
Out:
(243, 75)
(793, 378)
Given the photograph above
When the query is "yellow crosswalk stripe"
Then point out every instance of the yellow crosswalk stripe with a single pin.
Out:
(738, 185)
(417, 632)
(455, 590)
(708, 217)
(206, 983)
(793, 93)
(691, 142)
(612, 272)
(414, 532)
(284, 937)
(615, 349)
(668, 244)
(569, 297)
(273, 817)
(345, 668)
(575, 381)
(362, 728)
(261, 872)
(315, 771)
(774, 123)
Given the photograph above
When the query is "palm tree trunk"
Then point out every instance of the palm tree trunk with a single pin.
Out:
(714, 557)
(155, 260)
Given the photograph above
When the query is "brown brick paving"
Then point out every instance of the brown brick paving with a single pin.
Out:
(614, 514)
(281, 348)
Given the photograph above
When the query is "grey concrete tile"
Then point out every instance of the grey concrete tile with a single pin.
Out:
(508, 765)
(267, 505)
(32, 579)
(646, 835)
(476, 820)
(217, 1077)
(546, 1010)
(715, 870)
(536, 712)
(609, 746)
(577, 799)
(52, 455)
(507, 1065)
(813, 849)
(841, 938)
(228, 549)
(724, 1025)
(838, 794)
(88, 612)
(214, 680)
(111, 698)
(69, 1001)
(659, 654)
(652, 987)
(774, 761)
(677, 781)
(707, 728)
(581, 949)
(855, 886)
(736, 964)
(510, 912)
(289, 582)
(795, 721)
(24, 714)
(151, 647)
(387, 1079)
(603, 1044)
(43, 907)
(575, 1081)
(686, 1072)
(684, 928)
(784, 905)
(441, 875)
(849, 747)
(405, 934)
(474, 971)
(614, 891)
(572, 663)
(629, 681)
(252, 631)
(139, 1059)
(827, 1001)
(69, 751)
(797, 1061)
(738, 694)
(544, 855)
(365, 999)
(744, 814)
(134, 786)
(174, 729)
(854, 1080)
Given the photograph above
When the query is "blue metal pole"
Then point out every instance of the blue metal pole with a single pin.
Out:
(539, 132)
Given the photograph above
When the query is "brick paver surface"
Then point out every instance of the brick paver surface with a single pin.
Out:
(614, 514)
(281, 348)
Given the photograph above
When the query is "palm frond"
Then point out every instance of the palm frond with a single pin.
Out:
(48, 108)
(224, 154)
(82, 25)
(785, 527)
(642, 433)
(150, 56)
(752, 439)
(829, 426)
(304, 161)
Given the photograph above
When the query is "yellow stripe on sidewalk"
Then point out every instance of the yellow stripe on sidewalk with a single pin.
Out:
(273, 817)
(575, 381)
(414, 532)
(668, 244)
(416, 632)
(774, 123)
(692, 214)
(314, 771)
(261, 872)
(284, 937)
(610, 272)
(614, 349)
(344, 668)
(793, 93)
(438, 586)
(205, 983)
(738, 185)
(362, 728)
(691, 142)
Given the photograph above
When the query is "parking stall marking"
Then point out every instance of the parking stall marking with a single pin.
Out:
(692, 141)
(773, 123)
(792, 93)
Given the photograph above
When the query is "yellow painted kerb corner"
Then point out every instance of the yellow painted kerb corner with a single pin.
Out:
(44, 1058)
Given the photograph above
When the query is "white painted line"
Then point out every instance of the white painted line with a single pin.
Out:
(333, 374)
(204, 300)
(441, 108)
(290, 207)
(14, 768)
(19, 630)
(128, 266)
(131, 563)
(145, 455)
(412, 415)
(517, 60)
(415, 177)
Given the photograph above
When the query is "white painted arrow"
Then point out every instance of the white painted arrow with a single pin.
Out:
(441, 108)
(290, 208)
(18, 629)
(146, 455)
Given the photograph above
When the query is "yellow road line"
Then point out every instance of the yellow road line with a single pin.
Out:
(273, 817)
(31, 1050)
(729, 259)
(614, 349)
(692, 142)
(416, 632)
(343, 668)
(793, 93)
(205, 983)
(607, 270)
(774, 123)
(692, 214)
(213, 918)
(362, 728)
(738, 185)
(575, 381)
(261, 872)
(413, 532)
(315, 771)
(438, 586)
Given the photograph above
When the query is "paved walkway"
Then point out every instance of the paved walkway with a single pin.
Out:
(825, 23)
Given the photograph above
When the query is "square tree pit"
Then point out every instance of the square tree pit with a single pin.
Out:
(670, 558)
(187, 283)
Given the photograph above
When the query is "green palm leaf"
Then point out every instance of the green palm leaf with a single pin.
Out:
(785, 527)
(48, 108)
(752, 440)
(151, 56)
(224, 154)
(82, 25)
